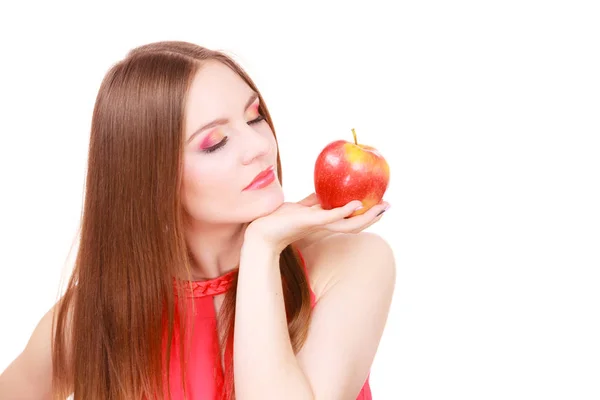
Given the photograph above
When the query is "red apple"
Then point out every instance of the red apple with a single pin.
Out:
(346, 171)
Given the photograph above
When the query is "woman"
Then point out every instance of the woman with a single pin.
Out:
(184, 219)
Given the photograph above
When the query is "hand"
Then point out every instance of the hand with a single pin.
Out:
(314, 237)
(294, 221)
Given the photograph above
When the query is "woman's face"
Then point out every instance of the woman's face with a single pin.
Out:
(227, 145)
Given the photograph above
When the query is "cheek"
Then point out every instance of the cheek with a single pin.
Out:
(204, 182)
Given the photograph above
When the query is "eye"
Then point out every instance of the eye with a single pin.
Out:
(213, 141)
(253, 114)
(256, 120)
(216, 146)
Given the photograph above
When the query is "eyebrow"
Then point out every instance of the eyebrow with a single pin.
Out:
(221, 121)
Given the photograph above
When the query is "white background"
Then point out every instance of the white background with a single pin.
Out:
(488, 113)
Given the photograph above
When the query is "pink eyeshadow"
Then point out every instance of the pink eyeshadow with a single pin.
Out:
(211, 139)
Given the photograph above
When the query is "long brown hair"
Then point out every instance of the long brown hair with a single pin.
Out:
(115, 323)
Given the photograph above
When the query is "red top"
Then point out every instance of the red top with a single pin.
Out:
(204, 371)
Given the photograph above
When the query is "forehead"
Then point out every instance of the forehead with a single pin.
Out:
(216, 92)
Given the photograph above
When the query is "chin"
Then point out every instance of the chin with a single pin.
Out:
(265, 204)
(247, 208)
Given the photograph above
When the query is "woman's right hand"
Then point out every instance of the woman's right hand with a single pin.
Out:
(292, 222)
(315, 237)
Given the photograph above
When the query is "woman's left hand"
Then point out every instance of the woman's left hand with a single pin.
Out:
(294, 221)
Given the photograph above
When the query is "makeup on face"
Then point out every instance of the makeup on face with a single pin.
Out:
(252, 112)
(262, 180)
(213, 140)
(216, 137)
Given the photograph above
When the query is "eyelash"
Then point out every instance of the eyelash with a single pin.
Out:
(216, 146)
(224, 141)
(256, 120)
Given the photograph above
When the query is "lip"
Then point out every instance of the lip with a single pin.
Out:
(263, 179)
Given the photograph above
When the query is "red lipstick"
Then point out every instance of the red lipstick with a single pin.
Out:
(262, 180)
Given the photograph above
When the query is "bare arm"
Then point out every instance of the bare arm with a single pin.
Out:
(347, 324)
(354, 279)
(29, 376)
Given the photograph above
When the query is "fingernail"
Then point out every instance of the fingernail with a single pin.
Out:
(384, 210)
(358, 207)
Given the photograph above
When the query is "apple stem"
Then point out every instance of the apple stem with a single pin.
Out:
(354, 134)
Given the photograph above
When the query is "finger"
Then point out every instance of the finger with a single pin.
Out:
(353, 224)
(324, 217)
(309, 201)
(360, 222)
(363, 227)
(372, 222)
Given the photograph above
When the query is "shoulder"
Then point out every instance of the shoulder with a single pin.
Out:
(364, 260)
(29, 375)
(353, 278)
(37, 353)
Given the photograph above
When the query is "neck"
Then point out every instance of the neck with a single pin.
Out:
(214, 250)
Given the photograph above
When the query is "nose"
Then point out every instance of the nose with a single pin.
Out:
(255, 144)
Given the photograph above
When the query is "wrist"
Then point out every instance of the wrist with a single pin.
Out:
(257, 245)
